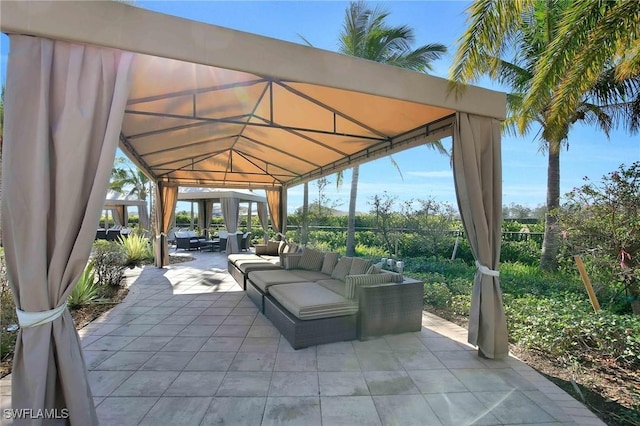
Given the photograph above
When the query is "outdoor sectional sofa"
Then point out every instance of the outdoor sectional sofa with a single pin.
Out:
(315, 298)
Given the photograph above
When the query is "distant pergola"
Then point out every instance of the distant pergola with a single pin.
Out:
(229, 200)
(119, 204)
(193, 104)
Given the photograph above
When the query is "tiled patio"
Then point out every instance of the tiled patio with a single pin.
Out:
(187, 347)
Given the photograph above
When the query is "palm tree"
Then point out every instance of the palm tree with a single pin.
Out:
(596, 35)
(525, 30)
(366, 34)
(127, 179)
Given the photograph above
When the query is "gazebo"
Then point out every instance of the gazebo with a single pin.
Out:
(119, 204)
(193, 104)
(229, 199)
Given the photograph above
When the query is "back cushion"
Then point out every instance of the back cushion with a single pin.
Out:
(272, 247)
(330, 260)
(359, 266)
(281, 245)
(342, 268)
(311, 260)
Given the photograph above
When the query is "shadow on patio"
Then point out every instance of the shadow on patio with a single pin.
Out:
(188, 347)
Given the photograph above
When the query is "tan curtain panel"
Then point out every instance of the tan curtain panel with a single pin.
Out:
(64, 108)
(166, 199)
(477, 170)
(120, 215)
(201, 215)
(263, 216)
(230, 214)
(205, 214)
(143, 217)
(274, 200)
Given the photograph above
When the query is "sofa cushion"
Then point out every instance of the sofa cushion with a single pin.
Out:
(309, 275)
(352, 282)
(290, 260)
(329, 262)
(311, 260)
(359, 266)
(309, 300)
(342, 268)
(243, 256)
(265, 279)
(336, 286)
(272, 247)
(246, 266)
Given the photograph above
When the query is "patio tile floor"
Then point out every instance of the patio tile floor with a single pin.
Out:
(188, 347)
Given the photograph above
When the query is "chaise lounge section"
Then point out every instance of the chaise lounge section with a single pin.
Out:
(266, 257)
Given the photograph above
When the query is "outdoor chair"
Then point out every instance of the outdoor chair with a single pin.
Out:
(223, 240)
(188, 240)
(246, 242)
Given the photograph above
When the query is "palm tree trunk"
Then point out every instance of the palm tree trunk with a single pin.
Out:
(551, 242)
(351, 223)
(305, 215)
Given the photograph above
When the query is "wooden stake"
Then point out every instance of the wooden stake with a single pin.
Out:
(587, 283)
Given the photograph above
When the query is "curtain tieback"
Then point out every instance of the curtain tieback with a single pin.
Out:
(486, 271)
(34, 319)
(160, 235)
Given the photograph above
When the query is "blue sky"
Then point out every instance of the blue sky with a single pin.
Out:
(426, 173)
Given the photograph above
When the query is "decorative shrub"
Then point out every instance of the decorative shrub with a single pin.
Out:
(86, 289)
(437, 294)
(136, 249)
(108, 261)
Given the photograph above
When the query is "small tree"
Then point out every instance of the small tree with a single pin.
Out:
(601, 221)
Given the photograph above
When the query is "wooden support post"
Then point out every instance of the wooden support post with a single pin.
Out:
(587, 283)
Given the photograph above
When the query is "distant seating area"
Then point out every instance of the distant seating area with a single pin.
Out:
(188, 240)
(112, 234)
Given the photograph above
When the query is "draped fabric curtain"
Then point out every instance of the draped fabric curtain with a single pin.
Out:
(202, 207)
(264, 220)
(274, 200)
(477, 171)
(230, 214)
(205, 214)
(166, 199)
(208, 216)
(120, 216)
(143, 217)
(64, 108)
(249, 216)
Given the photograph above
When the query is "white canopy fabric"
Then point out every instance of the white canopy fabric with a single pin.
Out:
(207, 106)
(216, 194)
(118, 202)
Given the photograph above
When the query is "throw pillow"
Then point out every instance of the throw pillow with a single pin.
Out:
(311, 260)
(342, 268)
(376, 268)
(330, 260)
(281, 245)
(272, 248)
(359, 266)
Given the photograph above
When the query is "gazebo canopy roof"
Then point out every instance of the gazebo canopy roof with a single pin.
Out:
(115, 198)
(194, 194)
(210, 106)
